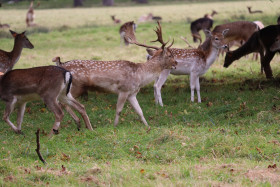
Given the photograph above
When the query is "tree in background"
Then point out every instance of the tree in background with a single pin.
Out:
(108, 2)
(78, 3)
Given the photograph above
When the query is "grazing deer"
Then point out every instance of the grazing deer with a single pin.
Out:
(193, 62)
(128, 27)
(30, 16)
(253, 12)
(9, 59)
(261, 42)
(121, 77)
(50, 83)
(116, 21)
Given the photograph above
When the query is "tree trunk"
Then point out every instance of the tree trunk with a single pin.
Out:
(108, 2)
(142, 1)
(78, 3)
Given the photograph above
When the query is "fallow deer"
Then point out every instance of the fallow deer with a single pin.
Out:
(30, 15)
(128, 27)
(121, 77)
(9, 59)
(193, 62)
(253, 11)
(260, 42)
(50, 83)
(145, 18)
(116, 21)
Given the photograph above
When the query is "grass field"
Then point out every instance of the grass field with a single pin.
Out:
(230, 139)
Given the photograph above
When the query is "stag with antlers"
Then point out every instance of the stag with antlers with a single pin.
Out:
(121, 77)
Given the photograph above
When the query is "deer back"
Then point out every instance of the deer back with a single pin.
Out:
(239, 30)
(36, 80)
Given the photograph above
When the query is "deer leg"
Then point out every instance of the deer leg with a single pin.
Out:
(158, 84)
(197, 87)
(72, 114)
(121, 100)
(193, 78)
(8, 110)
(53, 105)
(261, 56)
(20, 115)
(80, 108)
(266, 64)
(134, 103)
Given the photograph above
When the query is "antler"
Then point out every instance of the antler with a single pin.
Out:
(159, 34)
(185, 40)
(131, 39)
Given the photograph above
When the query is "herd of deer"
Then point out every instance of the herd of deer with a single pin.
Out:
(59, 86)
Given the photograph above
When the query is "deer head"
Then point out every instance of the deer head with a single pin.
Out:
(164, 54)
(217, 39)
(22, 39)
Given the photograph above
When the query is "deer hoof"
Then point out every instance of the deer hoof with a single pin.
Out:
(55, 131)
(19, 132)
(149, 128)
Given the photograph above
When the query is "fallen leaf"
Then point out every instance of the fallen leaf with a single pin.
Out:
(142, 171)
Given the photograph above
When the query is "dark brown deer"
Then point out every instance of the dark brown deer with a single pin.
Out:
(198, 25)
(9, 59)
(211, 15)
(50, 83)
(121, 77)
(276, 45)
(261, 42)
(128, 27)
(253, 11)
(116, 21)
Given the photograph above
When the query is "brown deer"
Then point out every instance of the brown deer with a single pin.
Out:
(193, 62)
(50, 83)
(145, 18)
(116, 21)
(9, 59)
(253, 11)
(121, 77)
(30, 15)
(261, 42)
(128, 27)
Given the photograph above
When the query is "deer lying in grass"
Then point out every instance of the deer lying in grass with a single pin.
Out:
(260, 42)
(121, 77)
(193, 62)
(116, 21)
(128, 27)
(50, 83)
(253, 11)
(9, 59)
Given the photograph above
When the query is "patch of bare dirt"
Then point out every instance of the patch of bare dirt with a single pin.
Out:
(271, 174)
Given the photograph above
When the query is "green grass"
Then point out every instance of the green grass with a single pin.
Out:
(229, 139)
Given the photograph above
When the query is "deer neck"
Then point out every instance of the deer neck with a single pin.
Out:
(211, 53)
(16, 52)
(149, 71)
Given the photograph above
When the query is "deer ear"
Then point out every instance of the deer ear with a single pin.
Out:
(207, 33)
(14, 34)
(225, 32)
